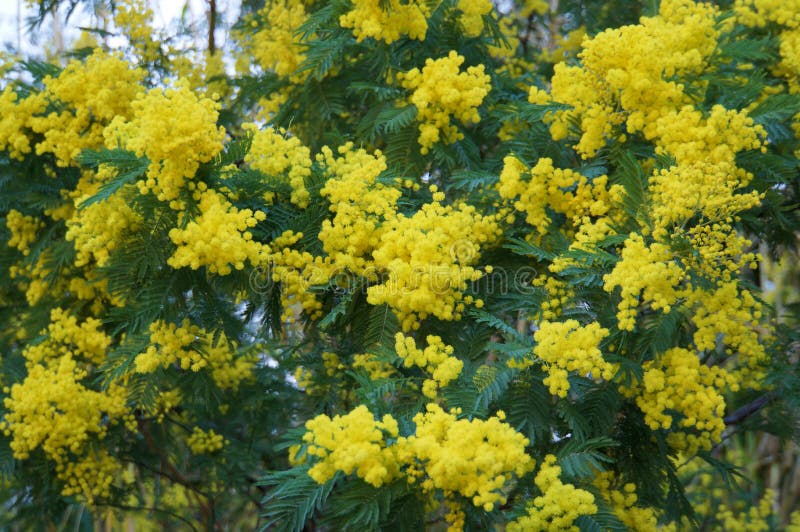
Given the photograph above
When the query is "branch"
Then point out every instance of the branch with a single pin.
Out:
(212, 26)
(748, 410)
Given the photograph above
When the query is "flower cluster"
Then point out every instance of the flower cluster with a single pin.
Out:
(472, 13)
(218, 238)
(276, 154)
(436, 359)
(568, 347)
(623, 500)
(171, 344)
(68, 337)
(176, 130)
(441, 91)
(474, 459)
(92, 94)
(677, 382)
(428, 258)
(387, 20)
(53, 411)
(205, 442)
(546, 188)
(274, 45)
(625, 77)
(360, 206)
(558, 506)
(97, 229)
(352, 443)
(135, 19)
(648, 271)
(23, 230)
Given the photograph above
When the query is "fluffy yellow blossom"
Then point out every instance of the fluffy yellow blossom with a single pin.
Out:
(387, 20)
(97, 229)
(171, 344)
(205, 442)
(375, 368)
(15, 119)
(644, 271)
(360, 205)
(472, 13)
(474, 458)
(65, 336)
(428, 258)
(757, 13)
(53, 411)
(568, 347)
(730, 315)
(277, 154)
(626, 75)
(228, 368)
(558, 506)
(194, 348)
(677, 382)
(352, 443)
(274, 44)
(91, 94)
(436, 359)
(297, 271)
(218, 238)
(23, 230)
(536, 190)
(753, 519)
(623, 501)
(176, 130)
(135, 19)
(89, 477)
(442, 92)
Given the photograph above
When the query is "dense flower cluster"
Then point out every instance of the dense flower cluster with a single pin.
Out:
(567, 347)
(97, 229)
(276, 154)
(176, 130)
(205, 442)
(554, 189)
(441, 91)
(677, 382)
(23, 230)
(474, 459)
(360, 205)
(354, 442)
(218, 238)
(53, 411)
(428, 258)
(472, 13)
(436, 359)
(274, 45)
(644, 271)
(559, 504)
(623, 500)
(387, 20)
(66, 337)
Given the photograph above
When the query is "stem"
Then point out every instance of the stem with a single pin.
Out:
(212, 26)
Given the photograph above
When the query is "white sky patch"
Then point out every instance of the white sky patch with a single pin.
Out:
(14, 27)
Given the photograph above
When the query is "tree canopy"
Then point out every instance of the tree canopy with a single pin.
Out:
(401, 265)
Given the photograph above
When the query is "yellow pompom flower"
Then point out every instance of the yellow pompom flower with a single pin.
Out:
(558, 506)
(442, 92)
(387, 20)
(218, 238)
(176, 130)
(568, 347)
